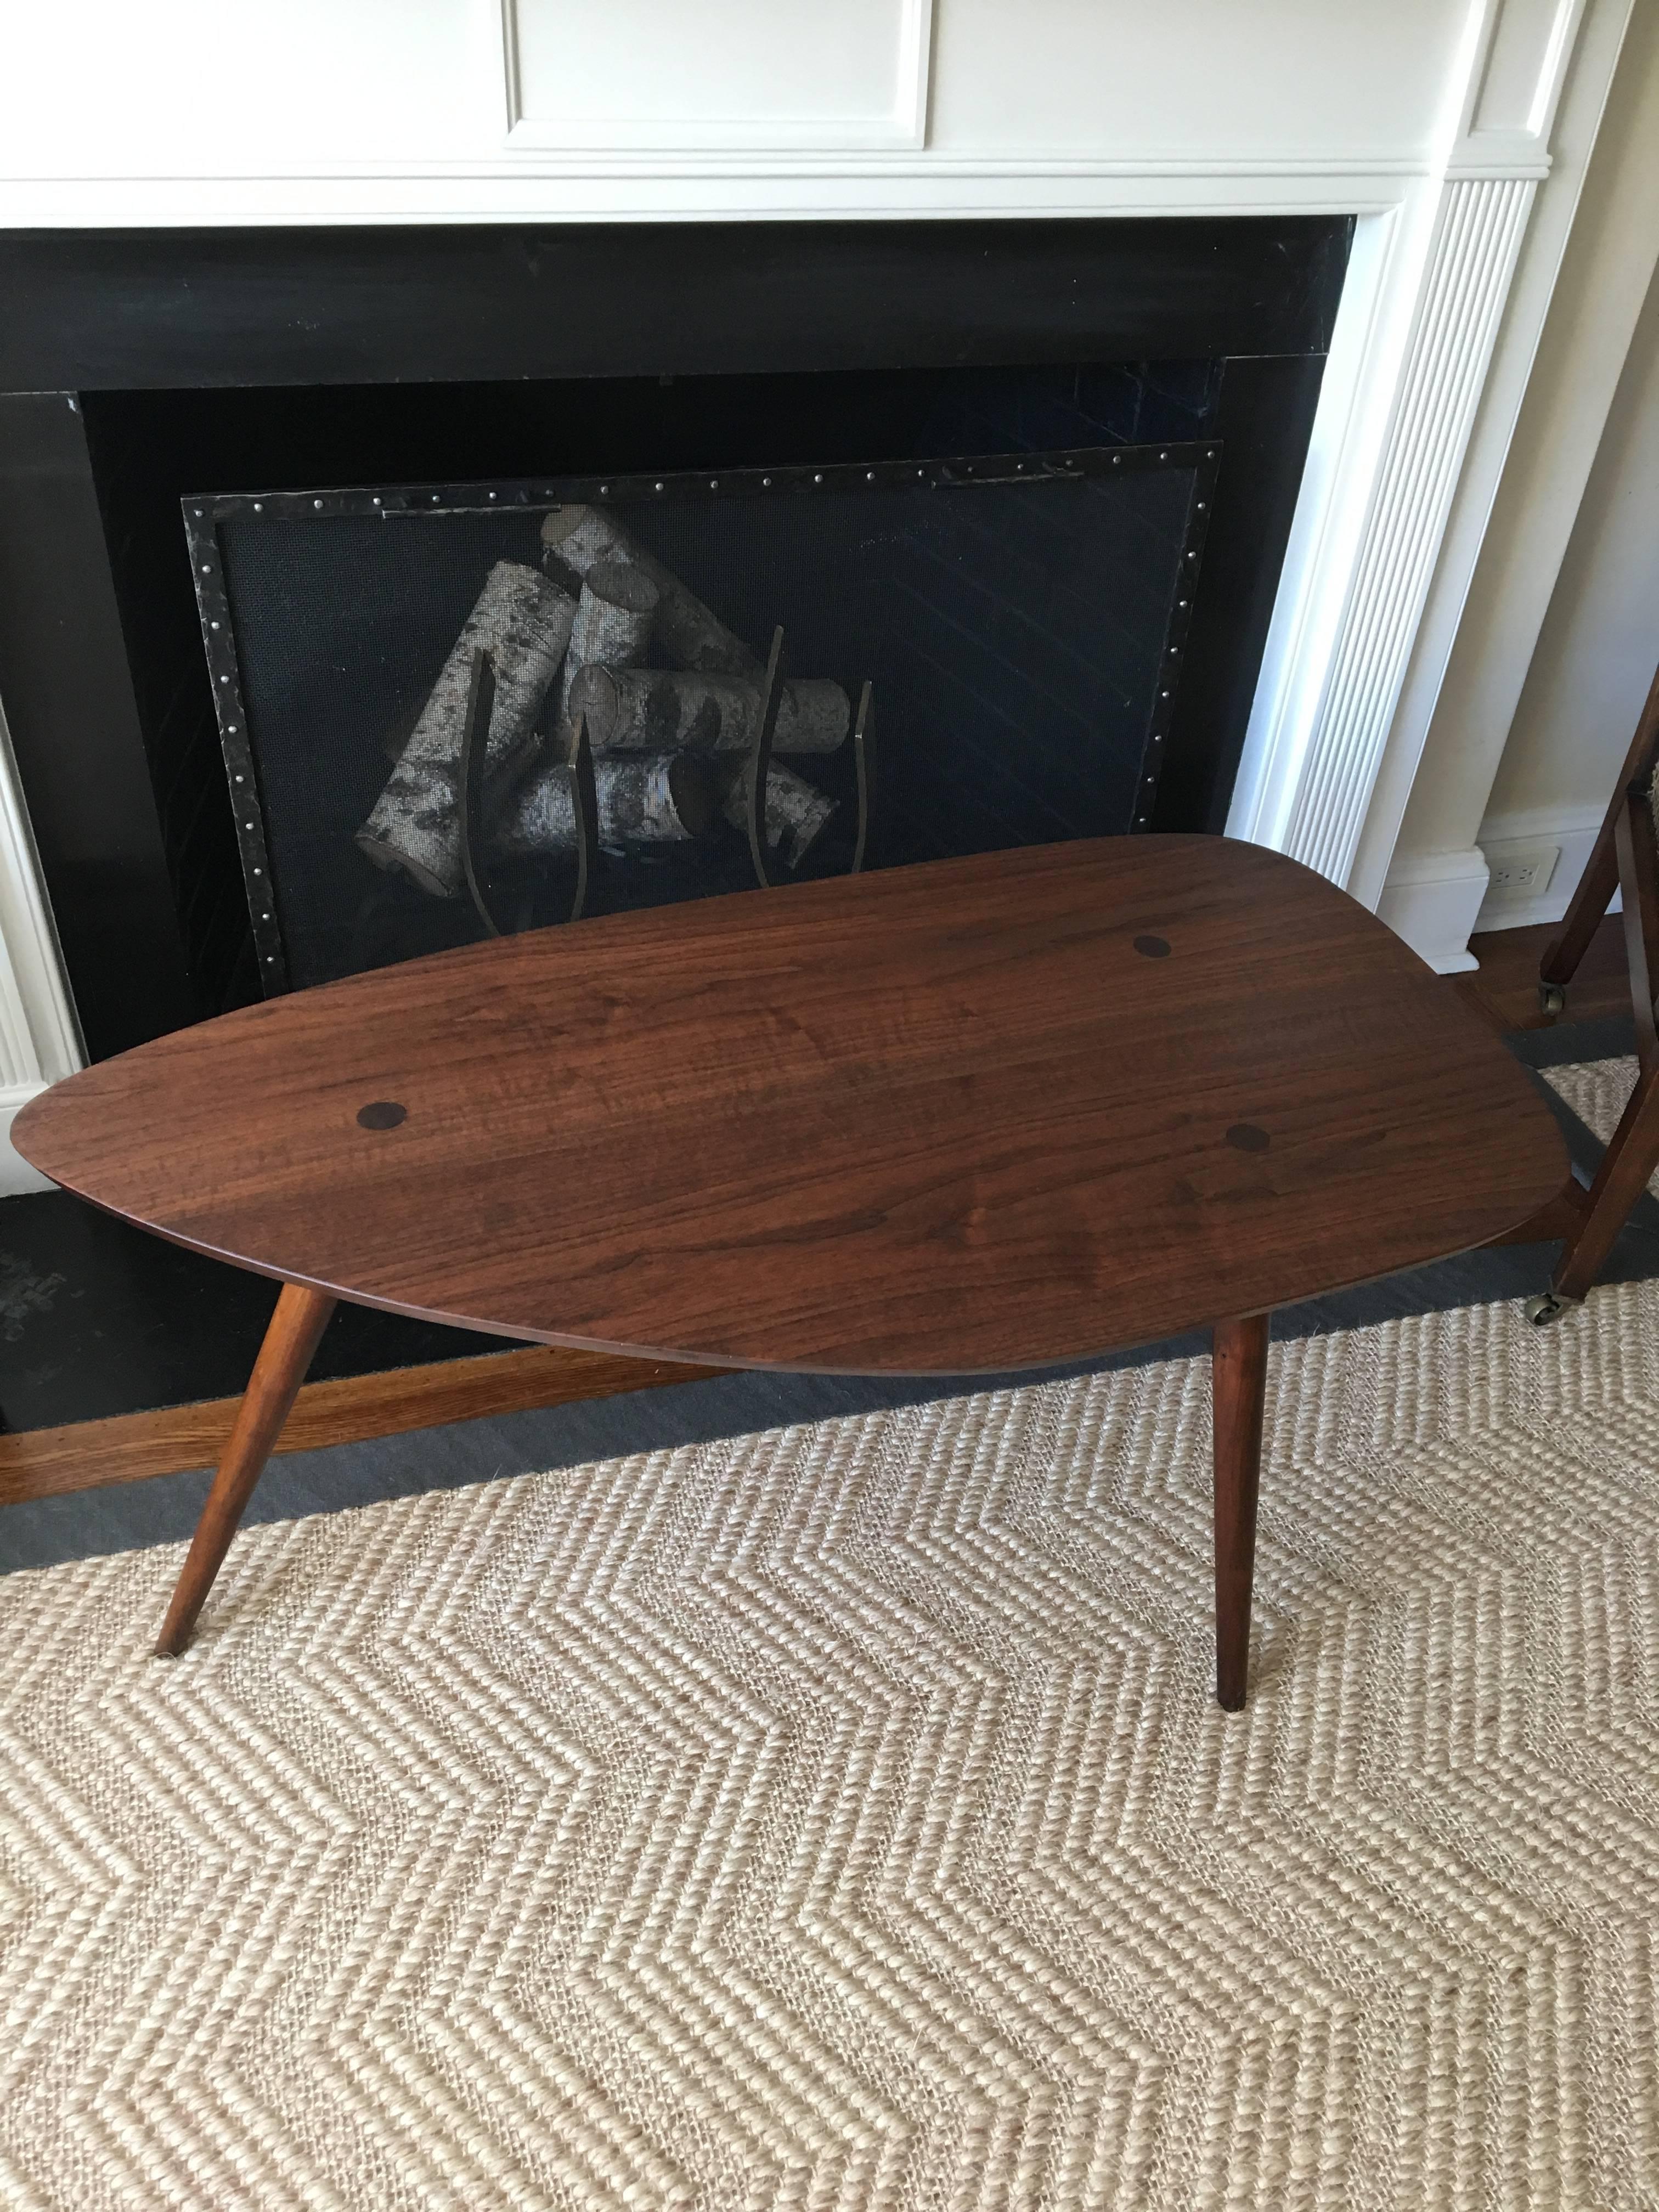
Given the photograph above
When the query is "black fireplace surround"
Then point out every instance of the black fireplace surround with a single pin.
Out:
(138, 368)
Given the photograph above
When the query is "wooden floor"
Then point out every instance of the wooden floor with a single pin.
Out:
(87, 1454)
(1505, 986)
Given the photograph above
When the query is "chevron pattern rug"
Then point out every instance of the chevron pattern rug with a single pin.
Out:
(838, 1817)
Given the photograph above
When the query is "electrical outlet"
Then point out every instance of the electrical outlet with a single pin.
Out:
(1521, 870)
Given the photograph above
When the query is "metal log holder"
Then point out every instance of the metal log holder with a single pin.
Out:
(475, 744)
(761, 851)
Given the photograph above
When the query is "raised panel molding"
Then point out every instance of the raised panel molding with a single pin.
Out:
(731, 76)
(1477, 236)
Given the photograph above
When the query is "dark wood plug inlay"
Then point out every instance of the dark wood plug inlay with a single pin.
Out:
(1152, 948)
(381, 1114)
(1245, 1137)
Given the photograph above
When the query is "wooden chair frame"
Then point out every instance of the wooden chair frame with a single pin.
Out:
(1625, 858)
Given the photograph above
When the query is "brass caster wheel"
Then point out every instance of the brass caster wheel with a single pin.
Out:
(1553, 998)
(1549, 1306)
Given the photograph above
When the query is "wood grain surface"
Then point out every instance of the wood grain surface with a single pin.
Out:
(983, 1114)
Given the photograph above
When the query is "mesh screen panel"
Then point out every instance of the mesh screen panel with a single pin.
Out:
(1022, 638)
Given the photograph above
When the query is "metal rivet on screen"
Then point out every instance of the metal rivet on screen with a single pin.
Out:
(1117, 461)
(197, 510)
(224, 679)
(921, 472)
(1140, 822)
(1164, 457)
(377, 499)
(714, 484)
(435, 500)
(258, 871)
(207, 567)
(1163, 695)
(660, 483)
(492, 495)
(259, 506)
(869, 476)
(767, 483)
(605, 491)
(1200, 507)
(213, 625)
(817, 479)
(1211, 454)
(316, 502)
(241, 779)
(1183, 603)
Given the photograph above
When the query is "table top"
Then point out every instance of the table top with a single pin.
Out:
(984, 1114)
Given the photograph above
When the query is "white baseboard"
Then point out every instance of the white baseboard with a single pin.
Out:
(1432, 899)
(1572, 828)
(15, 1173)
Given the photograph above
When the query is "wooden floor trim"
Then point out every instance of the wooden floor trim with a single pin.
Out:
(129, 1447)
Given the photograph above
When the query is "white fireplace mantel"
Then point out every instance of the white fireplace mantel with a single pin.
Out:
(1433, 122)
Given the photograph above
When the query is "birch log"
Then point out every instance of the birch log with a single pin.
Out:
(522, 620)
(642, 801)
(614, 616)
(796, 811)
(575, 537)
(649, 710)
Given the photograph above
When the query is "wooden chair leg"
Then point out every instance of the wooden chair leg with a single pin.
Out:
(1601, 877)
(1239, 1365)
(1584, 917)
(300, 1319)
(1626, 1166)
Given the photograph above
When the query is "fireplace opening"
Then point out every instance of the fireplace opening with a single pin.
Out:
(1008, 584)
(146, 370)
(1004, 631)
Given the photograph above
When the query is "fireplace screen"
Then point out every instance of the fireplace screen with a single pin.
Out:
(454, 709)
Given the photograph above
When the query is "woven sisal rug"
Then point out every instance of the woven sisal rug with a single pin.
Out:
(839, 1817)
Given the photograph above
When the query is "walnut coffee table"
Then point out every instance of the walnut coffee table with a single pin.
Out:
(982, 1114)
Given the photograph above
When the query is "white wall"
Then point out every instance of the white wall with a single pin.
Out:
(1452, 823)
(1595, 658)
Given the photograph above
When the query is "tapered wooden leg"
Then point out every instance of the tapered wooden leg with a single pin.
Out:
(1623, 1175)
(1584, 917)
(300, 1317)
(1600, 879)
(1239, 1362)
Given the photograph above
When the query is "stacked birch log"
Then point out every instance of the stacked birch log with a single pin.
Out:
(672, 700)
